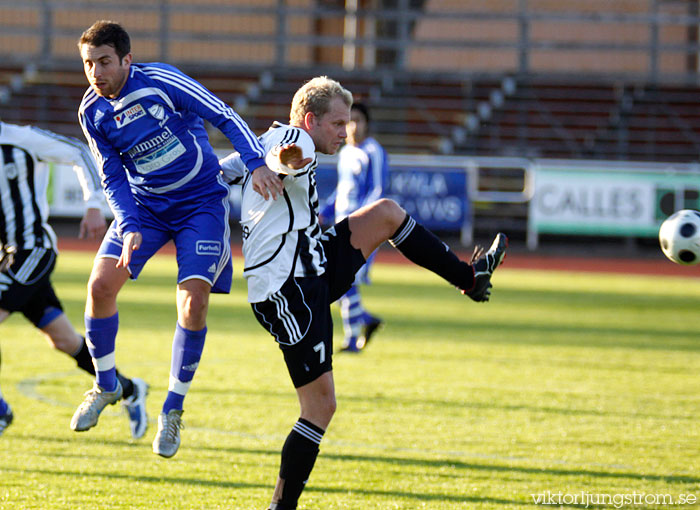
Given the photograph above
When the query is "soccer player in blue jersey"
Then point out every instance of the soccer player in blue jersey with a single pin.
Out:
(144, 124)
(363, 175)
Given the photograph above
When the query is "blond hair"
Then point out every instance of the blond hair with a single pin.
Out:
(315, 96)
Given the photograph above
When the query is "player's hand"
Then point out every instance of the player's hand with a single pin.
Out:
(7, 257)
(132, 242)
(292, 156)
(267, 183)
(93, 225)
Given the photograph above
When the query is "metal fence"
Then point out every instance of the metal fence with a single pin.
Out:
(653, 40)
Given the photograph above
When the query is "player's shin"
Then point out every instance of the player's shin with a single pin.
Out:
(298, 457)
(100, 338)
(187, 351)
(423, 248)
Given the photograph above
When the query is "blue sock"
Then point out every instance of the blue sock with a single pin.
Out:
(100, 336)
(187, 351)
(3, 406)
(352, 313)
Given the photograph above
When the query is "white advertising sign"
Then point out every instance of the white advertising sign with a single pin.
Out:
(595, 200)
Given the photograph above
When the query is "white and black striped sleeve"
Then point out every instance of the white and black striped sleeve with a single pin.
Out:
(55, 148)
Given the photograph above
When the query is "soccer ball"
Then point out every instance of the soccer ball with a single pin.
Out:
(679, 237)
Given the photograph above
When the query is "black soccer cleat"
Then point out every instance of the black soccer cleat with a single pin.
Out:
(484, 268)
(368, 330)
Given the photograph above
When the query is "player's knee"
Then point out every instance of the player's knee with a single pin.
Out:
(325, 409)
(391, 213)
(193, 306)
(100, 289)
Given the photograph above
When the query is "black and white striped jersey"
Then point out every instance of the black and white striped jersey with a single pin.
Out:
(24, 180)
(281, 237)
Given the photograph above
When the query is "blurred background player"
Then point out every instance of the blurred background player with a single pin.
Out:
(28, 247)
(145, 126)
(363, 175)
(292, 290)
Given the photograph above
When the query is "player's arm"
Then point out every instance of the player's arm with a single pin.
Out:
(189, 95)
(55, 148)
(264, 181)
(114, 179)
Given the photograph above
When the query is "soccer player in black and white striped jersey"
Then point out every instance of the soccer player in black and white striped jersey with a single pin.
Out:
(28, 246)
(294, 271)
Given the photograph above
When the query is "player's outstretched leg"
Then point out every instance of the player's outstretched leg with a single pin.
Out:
(423, 248)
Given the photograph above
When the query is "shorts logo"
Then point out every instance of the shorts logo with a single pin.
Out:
(129, 115)
(208, 248)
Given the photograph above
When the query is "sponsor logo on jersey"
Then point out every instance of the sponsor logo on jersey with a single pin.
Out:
(208, 248)
(129, 115)
(156, 152)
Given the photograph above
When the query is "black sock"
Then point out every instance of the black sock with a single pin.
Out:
(422, 247)
(127, 385)
(84, 360)
(298, 457)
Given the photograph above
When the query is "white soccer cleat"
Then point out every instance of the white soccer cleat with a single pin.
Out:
(167, 439)
(96, 400)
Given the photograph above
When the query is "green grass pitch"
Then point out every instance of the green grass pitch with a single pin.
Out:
(568, 383)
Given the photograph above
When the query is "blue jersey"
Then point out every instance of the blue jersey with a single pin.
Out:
(363, 173)
(151, 145)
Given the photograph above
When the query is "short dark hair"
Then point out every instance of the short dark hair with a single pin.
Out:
(362, 108)
(110, 33)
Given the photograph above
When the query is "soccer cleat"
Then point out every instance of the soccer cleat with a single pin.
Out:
(484, 268)
(167, 439)
(367, 331)
(135, 407)
(350, 346)
(6, 419)
(96, 400)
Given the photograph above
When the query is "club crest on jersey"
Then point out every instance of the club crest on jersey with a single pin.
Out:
(208, 248)
(157, 111)
(129, 115)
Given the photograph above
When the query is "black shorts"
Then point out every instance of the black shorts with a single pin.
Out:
(26, 286)
(298, 315)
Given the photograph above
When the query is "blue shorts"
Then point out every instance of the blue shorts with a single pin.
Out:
(202, 241)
